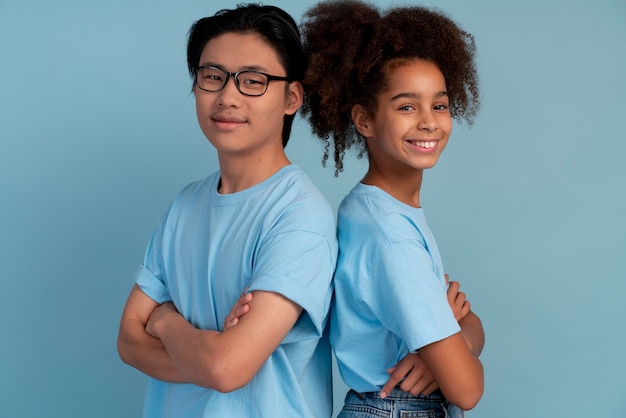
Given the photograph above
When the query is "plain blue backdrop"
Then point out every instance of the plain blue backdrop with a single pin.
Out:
(98, 133)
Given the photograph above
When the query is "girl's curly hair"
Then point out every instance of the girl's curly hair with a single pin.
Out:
(351, 48)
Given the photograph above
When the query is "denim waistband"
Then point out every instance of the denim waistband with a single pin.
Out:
(397, 394)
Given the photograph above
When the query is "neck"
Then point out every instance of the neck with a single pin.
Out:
(240, 173)
(402, 185)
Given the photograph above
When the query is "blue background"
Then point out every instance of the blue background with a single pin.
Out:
(98, 133)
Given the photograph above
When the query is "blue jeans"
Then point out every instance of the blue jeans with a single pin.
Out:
(398, 404)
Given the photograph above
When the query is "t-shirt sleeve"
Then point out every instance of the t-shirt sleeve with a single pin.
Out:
(299, 265)
(149, 276)
(408, 297)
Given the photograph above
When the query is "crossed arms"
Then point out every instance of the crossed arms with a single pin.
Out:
(160, 342)
(451, 364)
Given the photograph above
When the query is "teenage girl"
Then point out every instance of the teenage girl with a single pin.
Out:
(388, 84)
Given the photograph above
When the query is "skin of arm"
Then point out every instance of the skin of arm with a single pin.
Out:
(473, 333)
(471, 326)
(454, 361)
(412, 373)
(457, 371)
(416, 376)
(139, 349)
(228, 360)
(241, 307)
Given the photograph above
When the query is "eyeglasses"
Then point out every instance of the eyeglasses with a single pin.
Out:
(249, 83)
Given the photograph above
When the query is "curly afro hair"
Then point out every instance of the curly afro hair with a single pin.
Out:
(352, 47)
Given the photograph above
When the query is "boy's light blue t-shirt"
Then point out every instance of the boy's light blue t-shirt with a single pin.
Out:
(276, 236)
(390, 289)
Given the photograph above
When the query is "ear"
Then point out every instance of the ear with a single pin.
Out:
(296, 95)
(362, 121)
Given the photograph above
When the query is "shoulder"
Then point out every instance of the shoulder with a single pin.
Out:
(367, 208)
(281, 210)
(201, 186)
(196, 190)
(300, 184)
(296, 193)
(188, 198)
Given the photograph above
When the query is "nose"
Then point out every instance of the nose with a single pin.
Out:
(229, 95)
(427, 121)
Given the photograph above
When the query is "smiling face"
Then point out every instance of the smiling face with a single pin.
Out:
(239, 125)
(411, 124)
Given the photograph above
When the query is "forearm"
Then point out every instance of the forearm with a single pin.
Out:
(473, 333)
(137, 347)
(458, 372)
(192, 351)
(225, 361)
(147, 354)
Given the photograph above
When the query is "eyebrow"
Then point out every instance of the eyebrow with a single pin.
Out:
(244, 68)
(408, 95)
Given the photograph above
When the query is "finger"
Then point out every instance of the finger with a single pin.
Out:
(169, 305)
(430, 388)
(231, 323)
(397, 374)
(245, 296)
(232, 318)
(453, 286)
(241, 306)
(231, 315)
(242, 310)
(447, 278)
(405, 367)
(229, 319)
(460, 298)
(418, 378)
(413, 381)
(458, 307)
(453, 290)
(391, 383)
(244, 299)
(418, 388)
(426, 380)
(465, 309)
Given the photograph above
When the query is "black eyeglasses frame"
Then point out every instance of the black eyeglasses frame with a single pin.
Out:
(235, 77)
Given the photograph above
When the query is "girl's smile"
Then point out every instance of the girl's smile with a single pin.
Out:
(409, 129)
(411, 124)
(423, 146)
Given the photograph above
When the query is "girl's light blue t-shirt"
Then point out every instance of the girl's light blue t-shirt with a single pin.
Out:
(390, 289)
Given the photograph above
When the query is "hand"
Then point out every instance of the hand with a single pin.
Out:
(238, 310)
(415, 376)
(157, 314)
(458, 303)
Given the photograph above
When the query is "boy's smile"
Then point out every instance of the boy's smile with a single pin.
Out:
(234, 123)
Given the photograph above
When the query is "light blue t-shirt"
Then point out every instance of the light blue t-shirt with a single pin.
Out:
(276, 236)
(390, 290)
